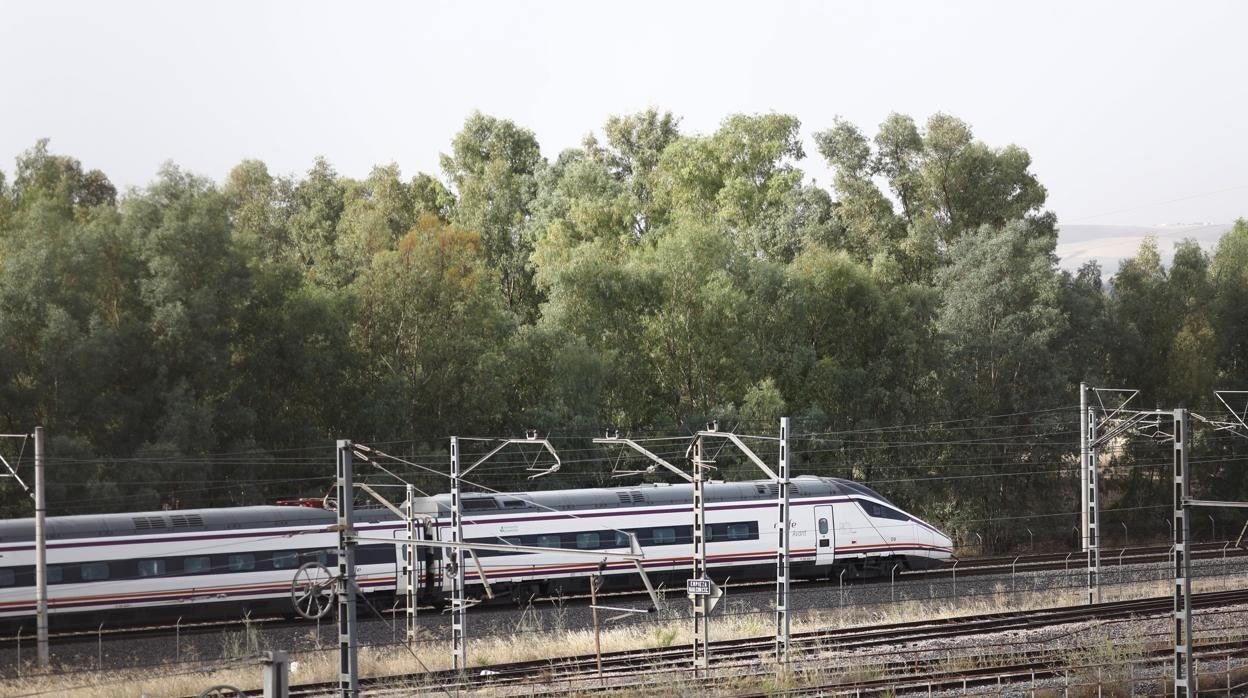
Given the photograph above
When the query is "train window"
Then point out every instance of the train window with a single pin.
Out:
(550, 540)
(738, 531)
(151, 568)
(684, 535)
(823, 527)
(880, 511)
(93, 571)
(7, 577)
(587, 541)
(55, 574)
(664, 536)
(241, 562)
(621, 540)
(285, 559)
(196, 565)
(379, 554)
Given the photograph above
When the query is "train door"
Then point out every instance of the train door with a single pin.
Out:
(400, 561)
(825, 536)
(426, 558)
(430, 560)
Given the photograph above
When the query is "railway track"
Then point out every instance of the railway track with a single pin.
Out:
(638, 667)
(929, 676)
(980, 566)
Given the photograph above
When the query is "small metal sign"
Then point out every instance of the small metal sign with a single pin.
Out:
(699, 587)
(704, 587)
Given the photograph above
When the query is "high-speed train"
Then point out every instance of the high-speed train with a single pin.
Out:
(221, 562)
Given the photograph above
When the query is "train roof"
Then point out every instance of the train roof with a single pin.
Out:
(642, 495)
(224, 519)
(173, 521)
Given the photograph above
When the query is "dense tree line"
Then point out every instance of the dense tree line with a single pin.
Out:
(194, 342)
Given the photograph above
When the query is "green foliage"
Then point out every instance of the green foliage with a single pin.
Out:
(649, 279)
(1001, 318)
(493, 166)
(428, 312)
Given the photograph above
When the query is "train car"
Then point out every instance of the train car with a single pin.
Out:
(835, 525)
(192, 564)
(155, 566)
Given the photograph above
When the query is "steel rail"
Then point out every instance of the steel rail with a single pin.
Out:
(676, 658)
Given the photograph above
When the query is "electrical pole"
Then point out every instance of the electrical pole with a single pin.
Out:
(410, 567)
(1184, 681)
(782, 547)
(1093, 511)
(1084, 459)
(701, 605)
(459, 639)
(41, 550)
(348, 659)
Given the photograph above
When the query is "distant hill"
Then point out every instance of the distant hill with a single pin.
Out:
(1110, 244)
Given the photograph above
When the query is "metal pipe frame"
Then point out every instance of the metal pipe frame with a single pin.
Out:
(615, 440)
(544, 443)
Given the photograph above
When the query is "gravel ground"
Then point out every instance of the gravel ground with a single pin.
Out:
(859, 600)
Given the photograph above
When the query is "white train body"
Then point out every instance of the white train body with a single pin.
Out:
(835, 524)
(185, 562)
(218, 562)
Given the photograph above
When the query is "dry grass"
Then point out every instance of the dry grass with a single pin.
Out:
(543, 636)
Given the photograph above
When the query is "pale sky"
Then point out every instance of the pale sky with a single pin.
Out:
(1134, 113)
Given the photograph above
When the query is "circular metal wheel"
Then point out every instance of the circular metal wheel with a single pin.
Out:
(220, 691)
(312, 590)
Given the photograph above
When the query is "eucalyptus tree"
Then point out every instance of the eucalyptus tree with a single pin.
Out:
(431, 196)
(1001, 321)
(493, 167)
(743, 177)
(376, 213)
(428, 313)
(634, 147)
(72, 330)
(946, 184)
(1229, 272)
(318, 203)
(1193, 356)
(1144, 325)
(259, 206)
(1001, 317)
(194, 283)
